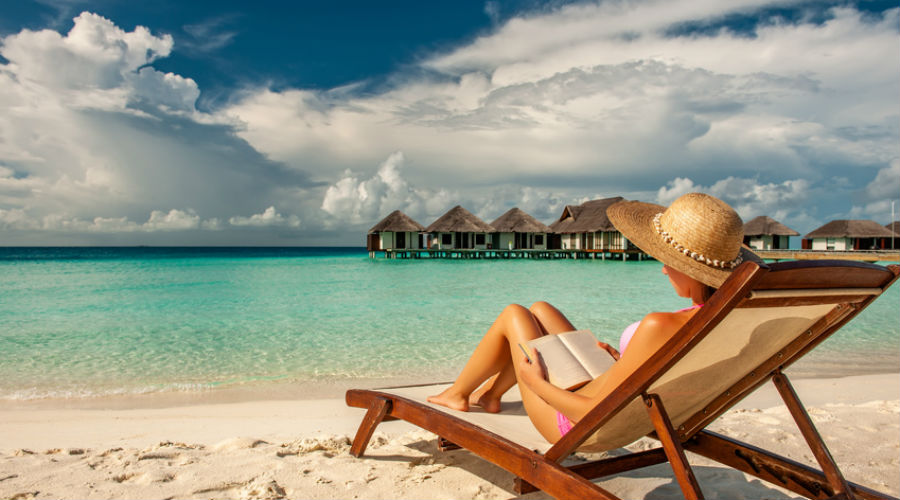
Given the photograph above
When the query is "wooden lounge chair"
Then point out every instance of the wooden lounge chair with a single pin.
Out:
(762, 319)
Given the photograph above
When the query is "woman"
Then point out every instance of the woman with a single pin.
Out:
(698, 240)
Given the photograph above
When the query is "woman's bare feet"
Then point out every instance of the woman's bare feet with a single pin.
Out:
(450, 399)
(486, 401)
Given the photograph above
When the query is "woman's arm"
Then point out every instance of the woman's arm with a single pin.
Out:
(572, 405)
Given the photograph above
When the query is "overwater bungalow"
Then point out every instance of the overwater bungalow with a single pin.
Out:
(766, 233)
(517, 230)
(397, 231)
(586, 227)
(849, 235)
(458, 229)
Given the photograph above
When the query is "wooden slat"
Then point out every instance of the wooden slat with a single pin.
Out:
(775, 469)
(666, 434)
(811, 435)
(378, 408)
(606, 467)
(824, 274)
(813, 292)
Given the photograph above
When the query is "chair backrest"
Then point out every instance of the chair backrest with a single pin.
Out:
(761, 320)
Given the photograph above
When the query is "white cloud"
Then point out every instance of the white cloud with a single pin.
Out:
(880, 194)
(786, 202)
(269, 217)
(356, 201)
(97, 65)
(159, 221)
(886, 183)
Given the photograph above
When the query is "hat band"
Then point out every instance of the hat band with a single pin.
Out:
(721, 264)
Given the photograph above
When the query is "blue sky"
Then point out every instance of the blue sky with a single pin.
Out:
(304, 123)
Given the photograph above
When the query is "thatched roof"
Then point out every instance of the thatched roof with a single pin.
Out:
(589, 217)
(851, 229)
(895, 227)
(396, 222)
(764, 225)
(517, 221)
(458, 219)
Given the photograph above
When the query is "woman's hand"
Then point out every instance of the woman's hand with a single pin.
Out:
(610, 349)
(532, 372)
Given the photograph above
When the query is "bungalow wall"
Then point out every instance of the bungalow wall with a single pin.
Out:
(832, 244)
(611, 240)
(452, 241)
(601, 240)
(571, 241)
(768, 242)
(404, 240)
(518, 241)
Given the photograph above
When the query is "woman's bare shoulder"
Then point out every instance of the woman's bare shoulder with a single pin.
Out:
(656, 320)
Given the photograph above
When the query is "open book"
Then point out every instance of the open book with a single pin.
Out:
(572, 359)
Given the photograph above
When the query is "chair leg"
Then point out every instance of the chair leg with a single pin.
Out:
(674, 451)
(813, 439)
(374, 415)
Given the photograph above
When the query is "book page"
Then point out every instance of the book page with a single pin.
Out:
(583, 346)
(563, 370)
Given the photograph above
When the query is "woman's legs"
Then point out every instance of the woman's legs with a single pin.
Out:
(492, 358)
(551, 322)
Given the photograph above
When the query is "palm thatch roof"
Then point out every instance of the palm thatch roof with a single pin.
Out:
(458, 219)
(589, 217)
(765, 225)
(851, 229)
(397, 222)
(895, 227)
(516, 220)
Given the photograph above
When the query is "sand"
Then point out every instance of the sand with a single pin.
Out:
(300, 449)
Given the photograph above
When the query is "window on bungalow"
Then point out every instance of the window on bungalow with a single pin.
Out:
(539, 239)
(829, 243)
(479, 239)
(446, 239)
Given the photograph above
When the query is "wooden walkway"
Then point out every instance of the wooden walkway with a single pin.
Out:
(859, 255)
(509, 254)
(479, 254)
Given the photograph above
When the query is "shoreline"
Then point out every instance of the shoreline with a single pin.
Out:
(300, 448)
(285, 416)
(819, 365)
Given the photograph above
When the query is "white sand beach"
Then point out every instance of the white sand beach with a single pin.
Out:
(300, 449)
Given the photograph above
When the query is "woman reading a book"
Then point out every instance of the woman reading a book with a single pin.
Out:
(697, 239)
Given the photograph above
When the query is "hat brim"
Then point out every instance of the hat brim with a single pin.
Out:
(634, 219)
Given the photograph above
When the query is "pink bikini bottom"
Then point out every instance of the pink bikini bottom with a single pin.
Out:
(563, 423)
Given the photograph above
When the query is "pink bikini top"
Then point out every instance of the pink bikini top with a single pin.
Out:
(630, 329)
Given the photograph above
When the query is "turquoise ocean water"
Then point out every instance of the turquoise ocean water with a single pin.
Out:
(78, 323)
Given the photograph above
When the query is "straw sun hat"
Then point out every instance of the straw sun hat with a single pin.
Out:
(699, 235)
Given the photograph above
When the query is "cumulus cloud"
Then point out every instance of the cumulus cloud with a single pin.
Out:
(881, 196)
(93, 138)
(268, 218)
(356, 200)
(97, 65)
(786, 202)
